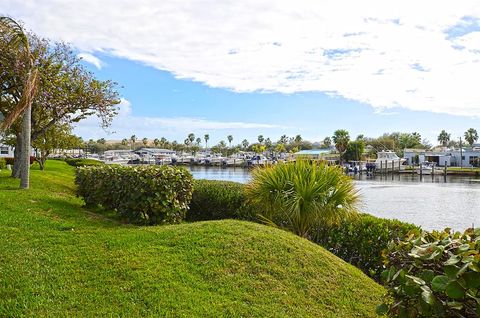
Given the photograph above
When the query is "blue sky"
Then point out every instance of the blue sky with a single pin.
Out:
(274, 67)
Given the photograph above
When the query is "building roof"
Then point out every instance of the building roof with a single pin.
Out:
(313, 152)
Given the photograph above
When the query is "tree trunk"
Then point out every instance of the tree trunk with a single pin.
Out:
(26, 133)
(17, 155)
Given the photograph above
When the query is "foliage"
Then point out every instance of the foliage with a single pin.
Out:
(340, 139)
(471, 136)
(354, 150)
(300, 195)
(434, 274)
(83, 264)
(83, 162)
(151, 194)
(3, 163)
(216, 200)
(443, 138)
(11, 161)
(360, 241)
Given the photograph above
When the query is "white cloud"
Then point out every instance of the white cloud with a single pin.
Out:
(87, 57)
(383, 53)
(126, 124)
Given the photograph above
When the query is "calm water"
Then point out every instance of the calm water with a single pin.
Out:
(430, 203)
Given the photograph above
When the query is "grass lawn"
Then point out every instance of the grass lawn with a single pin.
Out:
(58, 259)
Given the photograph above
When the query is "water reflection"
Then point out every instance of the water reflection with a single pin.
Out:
(431, 202)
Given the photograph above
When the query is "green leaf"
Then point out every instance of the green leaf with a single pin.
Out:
(439, 283)
(427, 275)
(453, 260)
(428, 297)
(472, 279)
(416, 280)
(451, 271)
(382, 309)
(454, 290)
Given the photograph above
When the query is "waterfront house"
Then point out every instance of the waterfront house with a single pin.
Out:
(466, 157)
(6, 151)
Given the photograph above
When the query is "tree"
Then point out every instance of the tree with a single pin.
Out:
(230, 139)
(101, 141)
(260, 139)
(191, 138)
(206, 138)
(57, 137)
(298, 139)
(283, 139)
(245, 143)
(15, 48)
(133, 139)
(354, 150)
(471, 136)
(198, 141)
(145, 141)
(280, 148)
(124, 142)
(443, 138)
(327, 142)
(268, 144)
(156, 142)
(341, 139)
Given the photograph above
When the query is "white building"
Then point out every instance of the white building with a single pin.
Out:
(467, 157)
(6, 151)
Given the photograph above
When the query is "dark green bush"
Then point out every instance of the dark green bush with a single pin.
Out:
(83, 162)
(361, 240)
(10, 160)
(147, 194)
(433, 274)
(215, 200)
(3, 163)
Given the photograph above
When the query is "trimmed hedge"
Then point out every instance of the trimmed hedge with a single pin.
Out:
(216, 200)
(83, 162)
(147, 194)
(361, 241)
(10, 160)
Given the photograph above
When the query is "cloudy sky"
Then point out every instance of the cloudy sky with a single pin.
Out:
(272, 67)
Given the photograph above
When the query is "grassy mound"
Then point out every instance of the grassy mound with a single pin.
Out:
(59, 259)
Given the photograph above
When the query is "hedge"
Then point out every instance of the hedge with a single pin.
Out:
(362, 240)
(433, 274)
(215, 200)
(10, 160)
(83, 162)
(147, 194)
(3, 163)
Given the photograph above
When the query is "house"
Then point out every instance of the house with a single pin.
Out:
(6, 151)
(465, 157)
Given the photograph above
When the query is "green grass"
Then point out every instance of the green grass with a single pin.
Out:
(58, 259)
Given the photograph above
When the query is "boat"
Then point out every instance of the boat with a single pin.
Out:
(388, 159)
(428, 168)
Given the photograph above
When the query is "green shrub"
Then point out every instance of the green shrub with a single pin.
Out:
(10, 160)
(3, 163)
(148, 194)
(215, 200)
(299, 195)
(433, 274)
(83, 162)
(361, 240)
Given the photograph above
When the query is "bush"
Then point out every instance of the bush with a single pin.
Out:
(148, 194)
(361, 240)
(434, 274)
(215, 200)
(82, 162)
(299, 195)
(3, 163)
(10, 160)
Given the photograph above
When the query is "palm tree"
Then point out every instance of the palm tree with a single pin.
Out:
(341, 139)
(145, 141)
(133, 139)
(191, 137)
(18, 40)
(198, 141)
(260, 138)
(206, 137)
(230, 139)
(327, 142)
(302, 195)
(124, 141)
(101, 141)
(156, 142)
(443, 138)
(298, 139)
(471, 136)
(245, 143)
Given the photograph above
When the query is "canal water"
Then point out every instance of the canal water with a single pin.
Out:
(431, 203)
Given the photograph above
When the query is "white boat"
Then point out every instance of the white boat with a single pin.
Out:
(388, 159)
(428, 168)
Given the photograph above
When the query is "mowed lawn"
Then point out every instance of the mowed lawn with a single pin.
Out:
(58, 259)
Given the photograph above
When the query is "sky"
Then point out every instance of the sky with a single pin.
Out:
(273, 67)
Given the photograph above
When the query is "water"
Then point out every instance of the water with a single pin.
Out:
(430, 203)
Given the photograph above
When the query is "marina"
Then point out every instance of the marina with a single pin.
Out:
(431, 203)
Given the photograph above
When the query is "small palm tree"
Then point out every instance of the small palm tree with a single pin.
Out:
(299, 196)
(443, 138)
(471, 136)
(206, 137)
(230, 139)
(341, 138)
(145, 141)
(133, 139)
(156, 142)
(245, 143)
(198, 141)
(124, 142)
(260, 138)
